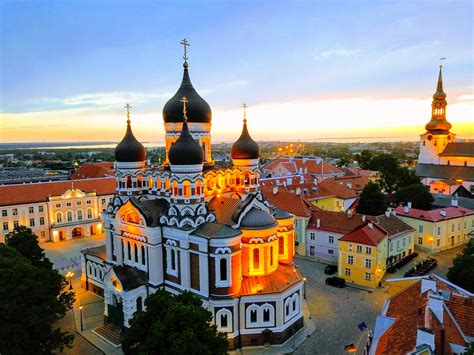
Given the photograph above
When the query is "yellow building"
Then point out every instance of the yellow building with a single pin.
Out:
(363, 255)
(439, 229)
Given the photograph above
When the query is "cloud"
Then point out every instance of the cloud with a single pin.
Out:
(339, 52)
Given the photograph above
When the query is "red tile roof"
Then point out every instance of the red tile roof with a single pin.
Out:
(345, 187)
(436, 214)
(288, 201)
(366, 235)
(338, 222)
(304, 165)
(359, 172)
(94, 170)
(39, 192)
(283, 278)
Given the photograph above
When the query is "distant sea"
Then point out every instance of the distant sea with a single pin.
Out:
(92, 145)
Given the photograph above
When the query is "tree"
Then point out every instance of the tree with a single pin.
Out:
(462, 271)
(388, 167)
(406, 177)
(173, 325)
(372, 200)
(363, 158)
(26, 243)
(417, 194)
(32, 298)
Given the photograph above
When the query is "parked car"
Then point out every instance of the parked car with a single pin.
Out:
(336, 281)
(330, 269)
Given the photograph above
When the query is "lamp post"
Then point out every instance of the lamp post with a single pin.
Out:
(80, 311)
(304, 287)
(69, 275)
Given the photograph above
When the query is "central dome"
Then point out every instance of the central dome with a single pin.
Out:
(185, 151)
(198, 110)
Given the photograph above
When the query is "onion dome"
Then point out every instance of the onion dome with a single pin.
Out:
(245, 147)
(198, 110)
(257, 219)
(129, 149)
(438, 122)
(185, 151)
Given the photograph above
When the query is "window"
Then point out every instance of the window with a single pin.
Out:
(58, 205)
(171, 258)
(223, 269)
(40, 208)
(79, 203)
(359, 248)
(68, 204)
(311, 250)
(331, 239)
(143, 255)
(266, 315)
(420, 240)
(348, 272)
(368, 276)
(368, 263)
(59, 217)
(398, 244)
(403, 242)
(420, 229)
(15, 224)
(32, 222)
(5, 226)
(271, 255)
(15, 213)
(439, 230)
(350, 259)
(89, 213)
(129, 251)
(139, 304)
(438, 242)
(79, 215)
(88, 202)
(31, 209)
(312, 235)
(4, 213)
(41, 221)
(292, 306)
(253, 316)
(459, 226)
(452, 227)
(331, 251)
(223, 320)
(69, 216)
(368, 250)
(103, 201)
(256, 258)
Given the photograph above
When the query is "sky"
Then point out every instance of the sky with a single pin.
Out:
(308, 70)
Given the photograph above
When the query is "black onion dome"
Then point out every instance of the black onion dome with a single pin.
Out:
(130, 149)
(185, 151)
(245, 147)
(198, 110)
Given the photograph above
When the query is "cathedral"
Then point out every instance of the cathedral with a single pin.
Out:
(189, 225)
(444, 164)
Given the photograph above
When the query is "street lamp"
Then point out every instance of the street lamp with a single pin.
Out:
(80, 311)
(304, 287)
(69, 275)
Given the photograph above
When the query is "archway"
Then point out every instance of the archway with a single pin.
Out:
(78, 232)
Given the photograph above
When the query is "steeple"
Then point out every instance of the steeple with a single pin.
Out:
(438, 122)
(129, 149)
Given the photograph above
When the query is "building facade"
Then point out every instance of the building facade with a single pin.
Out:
(56, 210)
(192, 226)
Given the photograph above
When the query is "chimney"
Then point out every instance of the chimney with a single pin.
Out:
(442, 213)
(298, 191)
(363, 218)
(301, 179)
(318, 223)
(275, 190)
(394, 213)
(454, 202)
(370, 225)
(315, 181)
(406, 209)
(349, 185)
(387, 213)
(289, 180)
(409, 205)
(349, 213)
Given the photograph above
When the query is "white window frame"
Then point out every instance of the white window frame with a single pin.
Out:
(348, 272)
(368, 250)
(223, 253)
(171, 245)
(368, 263)
(368, 276)
(331, 239)
(350, 259)
(295, 298)
(228, 313)
(359, 248)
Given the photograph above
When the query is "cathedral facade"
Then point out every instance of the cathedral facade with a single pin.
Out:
(189, 225)
(445, 164)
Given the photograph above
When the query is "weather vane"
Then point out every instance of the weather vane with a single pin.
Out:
(128, 107)
(185, 43)
(245, 111)
(184, 100)
(441, 59)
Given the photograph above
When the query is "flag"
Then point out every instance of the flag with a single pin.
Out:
(351, 348)
(362, 326)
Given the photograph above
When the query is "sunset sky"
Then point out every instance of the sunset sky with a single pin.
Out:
(307, 69)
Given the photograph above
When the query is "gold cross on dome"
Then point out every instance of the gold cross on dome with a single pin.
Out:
(185, 43)
(128, 107)
(245, 111)
(184, 100)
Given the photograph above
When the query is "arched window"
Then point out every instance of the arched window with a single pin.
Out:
(143, 255)
(89, 213)
(136, 252)
(266, 315)
(167, 184)
(256, 258)
(247, 179)
(292, 306)
(271, 255)
(253, 316)
(198, 188)
(139, 181)
(224, 320)
(187, 189)
(281, 245)
(150, 183)
(79, 215)
(69, 216)
(158, 184)
(139, 304)
(223, 269)
(128, 182)
(175, 188)
(173, 259)
(129, 251)
(59, 217)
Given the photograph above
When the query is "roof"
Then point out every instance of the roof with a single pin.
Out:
(224, 208)
(314, 166)
(289, 202)
(130, 277)
(445, 201)
(339, 222)
(211, 230)
(359, 172)
(366, 235)
(280, 214)
(245, 147)
(458, 149)
(424, 305)
(435, 214)
(129, 149)
(393, 225)
(151, 209)
(96, 251)
(186, 150)
(257, 219)
(94, 170)
(39, 192)
(283, 278)
(449, 172)
(345, 187)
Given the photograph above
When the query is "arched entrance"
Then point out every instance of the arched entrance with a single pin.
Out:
(62, 235)
(115, 311)
(77, 232)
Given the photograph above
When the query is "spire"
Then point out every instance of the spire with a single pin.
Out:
(185, 44)
(438, 122)
(440, 80)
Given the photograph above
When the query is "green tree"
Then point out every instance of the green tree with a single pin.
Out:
(417, 194)
(372, 200)
(363, 159)
(462, 271)
(388, 167)
(32, 299)
(406, 177)
(26, 243)
(173, 325)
